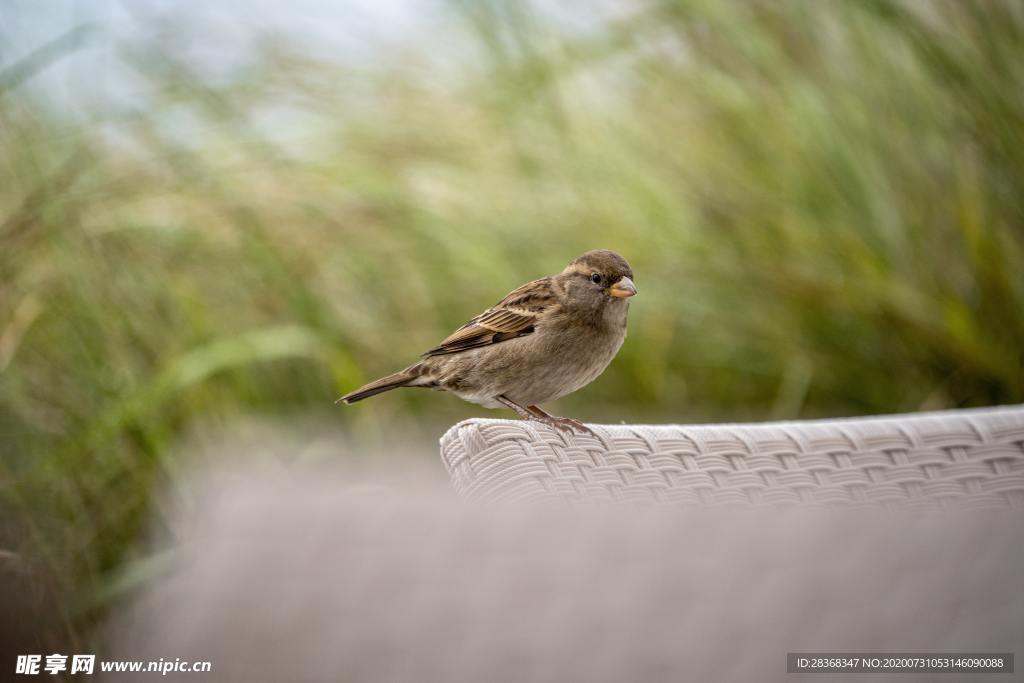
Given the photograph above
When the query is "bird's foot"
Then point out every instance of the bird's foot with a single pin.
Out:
(566, 424)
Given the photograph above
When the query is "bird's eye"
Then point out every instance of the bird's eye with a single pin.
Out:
(595, 278)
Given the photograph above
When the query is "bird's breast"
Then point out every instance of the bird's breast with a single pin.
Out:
(564, 358)
(562, 355)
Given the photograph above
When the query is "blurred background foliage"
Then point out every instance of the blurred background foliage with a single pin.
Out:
(823, 203)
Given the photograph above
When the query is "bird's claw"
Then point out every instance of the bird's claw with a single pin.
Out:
(566, 424)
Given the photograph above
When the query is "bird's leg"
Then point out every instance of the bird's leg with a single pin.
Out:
(523, 412)
(573, 424)
(536, 414)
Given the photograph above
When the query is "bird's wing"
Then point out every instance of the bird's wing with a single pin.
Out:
(514, 316)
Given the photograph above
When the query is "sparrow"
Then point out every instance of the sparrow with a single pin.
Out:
(544, 340)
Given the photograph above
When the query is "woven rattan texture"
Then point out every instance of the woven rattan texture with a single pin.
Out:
(969, 458)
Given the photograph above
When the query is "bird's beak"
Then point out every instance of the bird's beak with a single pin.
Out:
(623, 288)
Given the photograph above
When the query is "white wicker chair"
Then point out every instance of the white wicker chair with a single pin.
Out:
(315, 577)
(972, 458)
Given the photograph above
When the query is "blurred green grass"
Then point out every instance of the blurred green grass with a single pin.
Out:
(823, 203)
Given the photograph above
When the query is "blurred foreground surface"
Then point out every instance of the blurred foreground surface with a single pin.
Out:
(209, 214)
(317, 579)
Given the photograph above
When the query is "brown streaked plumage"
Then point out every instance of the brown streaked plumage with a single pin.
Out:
(542, 341)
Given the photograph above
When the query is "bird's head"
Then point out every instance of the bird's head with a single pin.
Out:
(598, 278)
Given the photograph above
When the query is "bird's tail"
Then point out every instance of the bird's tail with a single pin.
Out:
(404, 378)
